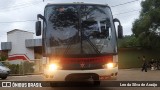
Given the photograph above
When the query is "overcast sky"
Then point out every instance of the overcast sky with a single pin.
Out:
(22, 10)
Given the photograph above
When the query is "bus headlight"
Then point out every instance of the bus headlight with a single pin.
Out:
(53, 67)
(110, 65)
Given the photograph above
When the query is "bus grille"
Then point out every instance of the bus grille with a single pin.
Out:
(85, 63)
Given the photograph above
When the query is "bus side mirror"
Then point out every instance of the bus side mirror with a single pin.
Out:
(120, 31)
(38, 28)
(120, 28)
(38, 24)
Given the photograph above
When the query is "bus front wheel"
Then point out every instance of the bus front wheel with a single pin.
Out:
(97, 83)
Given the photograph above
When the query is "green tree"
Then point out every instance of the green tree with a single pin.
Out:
(147, 27)
(128, 41)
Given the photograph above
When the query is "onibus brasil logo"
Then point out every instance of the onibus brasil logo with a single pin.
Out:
(20, 84)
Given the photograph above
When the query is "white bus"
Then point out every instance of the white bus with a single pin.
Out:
(80, 41)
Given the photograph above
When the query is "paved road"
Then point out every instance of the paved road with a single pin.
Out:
(124, 75)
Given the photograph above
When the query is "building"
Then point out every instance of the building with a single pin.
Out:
(21, 45)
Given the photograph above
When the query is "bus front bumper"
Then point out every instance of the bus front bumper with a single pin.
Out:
(63, 75)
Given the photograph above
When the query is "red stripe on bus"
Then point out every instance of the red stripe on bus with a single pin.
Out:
(104, 59)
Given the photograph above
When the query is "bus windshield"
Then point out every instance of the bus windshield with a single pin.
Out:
(79, 29)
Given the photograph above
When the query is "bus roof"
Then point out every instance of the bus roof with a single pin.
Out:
(77, 3)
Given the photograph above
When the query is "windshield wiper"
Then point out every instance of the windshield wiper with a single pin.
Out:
(93, 46)
(68, 47)
(69, 44)
(85, 38)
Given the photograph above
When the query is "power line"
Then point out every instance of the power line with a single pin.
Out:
(111, 6)
(30, 3)
(121, 17)
(20, 6)
(2, 35)
(126, 12)
(37, 2)
(17, 5)
(124, 3)
(36, 20)
(130, 15)
(20, 21)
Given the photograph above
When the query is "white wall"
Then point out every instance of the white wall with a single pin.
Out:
(18, 43)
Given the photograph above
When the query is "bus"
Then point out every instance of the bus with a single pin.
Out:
(80, 41)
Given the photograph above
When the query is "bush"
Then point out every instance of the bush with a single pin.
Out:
(16, 69)
(28, 67)
(24, 68)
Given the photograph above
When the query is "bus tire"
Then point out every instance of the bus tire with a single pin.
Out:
(97, 83)
(4, 77)
(53, 84)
